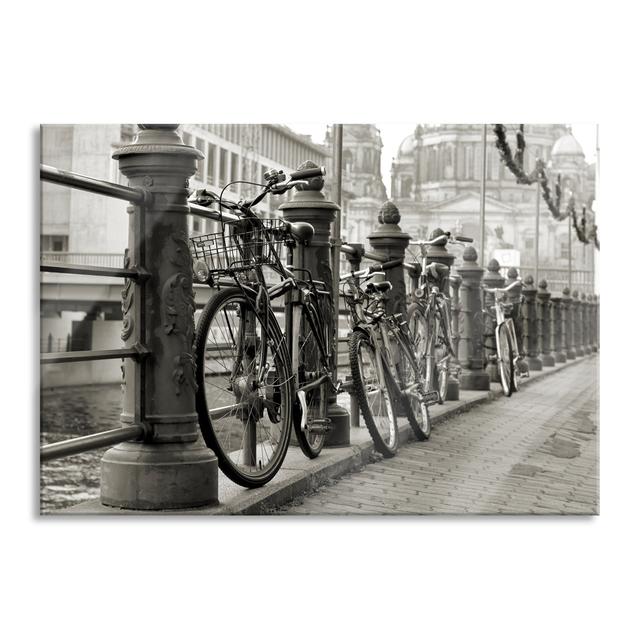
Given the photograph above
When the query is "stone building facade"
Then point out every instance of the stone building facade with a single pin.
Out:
(436, 182)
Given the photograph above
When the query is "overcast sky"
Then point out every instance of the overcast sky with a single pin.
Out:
(393, 134)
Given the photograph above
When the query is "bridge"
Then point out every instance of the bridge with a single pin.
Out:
(159, 463)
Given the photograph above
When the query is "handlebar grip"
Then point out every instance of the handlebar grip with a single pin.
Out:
(464, 239)
(307, 174)
(383, 266)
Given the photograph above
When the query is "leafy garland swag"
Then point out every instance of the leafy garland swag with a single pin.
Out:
(515, 164)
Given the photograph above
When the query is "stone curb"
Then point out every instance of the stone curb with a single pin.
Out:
(297, 481)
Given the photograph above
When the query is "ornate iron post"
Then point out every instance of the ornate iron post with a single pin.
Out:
(172, 468)
(586, 324)
(309, 204)
(557, 329)
(453, 389)
(491, 279)
(471, 347)
(544, 323)
(567, 307)
(390, 241)
(529, 292)
(577, 324)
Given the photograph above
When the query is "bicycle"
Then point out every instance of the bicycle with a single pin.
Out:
(254, 382)
(429, 317)
(381, 355)
(507, 356)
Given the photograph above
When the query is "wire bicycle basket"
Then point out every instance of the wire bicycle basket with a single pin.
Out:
(252, 243)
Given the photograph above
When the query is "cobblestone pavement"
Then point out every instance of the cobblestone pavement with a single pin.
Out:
(534, 453)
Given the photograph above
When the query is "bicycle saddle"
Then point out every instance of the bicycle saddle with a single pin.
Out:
(437, 270)
(380, 287)
(301, 232)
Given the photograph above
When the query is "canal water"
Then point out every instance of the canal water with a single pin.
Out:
(69, 412)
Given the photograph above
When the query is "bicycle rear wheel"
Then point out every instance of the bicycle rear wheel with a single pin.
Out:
(441, 356)
(505, 358)
(310, 411)
(372, 390)
(245, 388)
(416, 410)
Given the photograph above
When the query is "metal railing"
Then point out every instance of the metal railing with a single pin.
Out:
(53, 262)
(113, 260)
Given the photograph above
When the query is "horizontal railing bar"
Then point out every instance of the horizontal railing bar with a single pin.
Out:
(204, 212)
(87, 443)
(83, 356)
(58, 267)
(85, 183)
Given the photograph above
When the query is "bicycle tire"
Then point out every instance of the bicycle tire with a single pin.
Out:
(310, 366)
(386, 444)
(441, 358)
(417, 412)
(505, 358)
(220, 389)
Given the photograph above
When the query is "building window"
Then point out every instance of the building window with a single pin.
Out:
(211, 163)
(222, 169)
(529, 244)
(196, 225)
(54, 243)
(234, 166)
(564, 248)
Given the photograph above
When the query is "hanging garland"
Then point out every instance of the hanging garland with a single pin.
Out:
(552, 204)
(515, 165)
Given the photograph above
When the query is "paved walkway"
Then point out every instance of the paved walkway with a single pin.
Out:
(536, 453)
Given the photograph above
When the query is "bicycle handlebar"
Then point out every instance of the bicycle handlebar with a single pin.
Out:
(377, 267)
(503, 289)
(448, 236)
(307, 174)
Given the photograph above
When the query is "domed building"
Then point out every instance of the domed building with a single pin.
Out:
(436, 182)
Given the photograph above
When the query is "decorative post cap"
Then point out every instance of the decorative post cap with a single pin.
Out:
(543, 284)
(512, 274)
(158, 138)
(566, 291)
(389, 213)
(315, 184)
(575, 294)
(470, 254)
(590, 298)
(583, 297)
(493, 266)
(528, 281)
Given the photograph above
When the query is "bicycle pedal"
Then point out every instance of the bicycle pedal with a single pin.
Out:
(319, 426)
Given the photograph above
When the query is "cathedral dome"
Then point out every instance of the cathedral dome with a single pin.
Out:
(567, 145)
(407, 146)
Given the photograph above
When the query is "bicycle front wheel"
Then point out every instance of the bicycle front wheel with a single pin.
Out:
(245, 388)
(416, 410)
(505, 358)
(371, 386)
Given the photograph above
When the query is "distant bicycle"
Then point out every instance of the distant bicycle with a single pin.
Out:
(429, 318)
(384, 369)
(507, 356)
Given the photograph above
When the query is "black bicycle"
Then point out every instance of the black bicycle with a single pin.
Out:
(254, 382)
(384, 368)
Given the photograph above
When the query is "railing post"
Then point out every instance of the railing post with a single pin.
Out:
(354, 262)
(309, 204)
(471, 347)
(586, 324)
(557, 330)
(529, 292)
(438, 253)
(172, 468)
(390, 241)
(544, 323)
(577, 324)
(491, 279)
(453, 390)
(567, 308)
